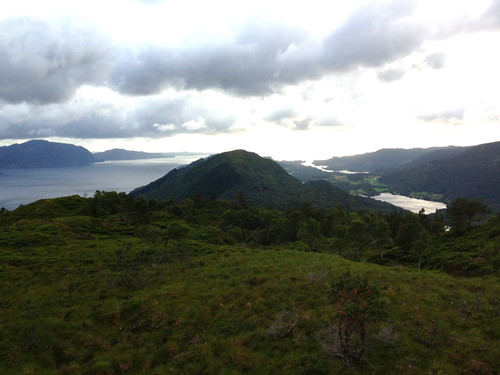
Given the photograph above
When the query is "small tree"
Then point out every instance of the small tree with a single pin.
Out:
(463, 211)
(413, 237)
(309, 231)
(284, 324)
(356, 303)
(359, 236)
(420, 247)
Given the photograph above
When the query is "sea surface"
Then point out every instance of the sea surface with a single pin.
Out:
(26, 185)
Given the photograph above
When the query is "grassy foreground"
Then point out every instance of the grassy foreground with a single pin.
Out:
(88, 295)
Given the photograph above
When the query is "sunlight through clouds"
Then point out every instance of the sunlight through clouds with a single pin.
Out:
(323, 78)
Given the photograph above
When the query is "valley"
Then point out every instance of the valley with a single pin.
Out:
(433, 174)
(236, 263)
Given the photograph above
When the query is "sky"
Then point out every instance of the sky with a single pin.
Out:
(291, 80)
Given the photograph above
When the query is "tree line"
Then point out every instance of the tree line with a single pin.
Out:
(397, 237)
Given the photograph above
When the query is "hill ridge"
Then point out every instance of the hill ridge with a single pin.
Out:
(41, 153)
(385, 158)
(472, 173)
(261, 180)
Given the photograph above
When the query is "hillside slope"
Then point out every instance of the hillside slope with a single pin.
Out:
(445, 153)
(40, 153)
(224, 176)
(260, 180)
(473, 173)
(381, 159)
(99, 295)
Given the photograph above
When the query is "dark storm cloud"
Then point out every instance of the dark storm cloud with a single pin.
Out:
(43, 64)
(26, 130)
(261, 59)
(151, 117)
(245, 66)
(158, 117)
(95, 124)
(374, 35)
(147, 71)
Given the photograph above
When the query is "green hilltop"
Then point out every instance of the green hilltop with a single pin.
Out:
(224, 176)
(251, 177)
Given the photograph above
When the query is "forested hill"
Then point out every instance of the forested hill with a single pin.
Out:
(473, 173)
(257, 180)
(381, 159)
(39, 153)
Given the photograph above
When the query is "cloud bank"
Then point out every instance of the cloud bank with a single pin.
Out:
(42, 63)
(45, 63)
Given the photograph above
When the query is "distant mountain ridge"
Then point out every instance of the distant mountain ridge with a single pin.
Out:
(262, 181)
(443, 153)
(472, 173)
(122, 154)
(382, 159)
(40, 153)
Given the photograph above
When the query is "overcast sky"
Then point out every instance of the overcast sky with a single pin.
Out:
(291, 80)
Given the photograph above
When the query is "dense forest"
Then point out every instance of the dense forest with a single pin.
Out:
(120, 284)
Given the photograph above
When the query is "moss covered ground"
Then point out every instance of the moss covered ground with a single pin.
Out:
(102, 294)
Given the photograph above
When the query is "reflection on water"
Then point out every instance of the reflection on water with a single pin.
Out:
(411, 204)
(23, 186)
(178, 160)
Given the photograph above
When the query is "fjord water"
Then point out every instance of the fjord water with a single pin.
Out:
(410, 204)
(23, 186)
